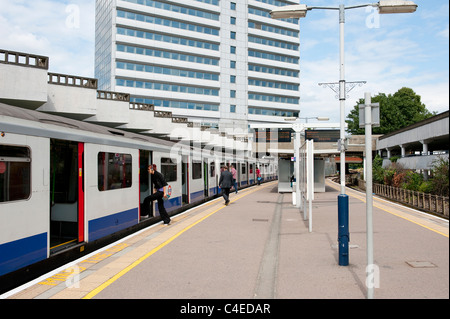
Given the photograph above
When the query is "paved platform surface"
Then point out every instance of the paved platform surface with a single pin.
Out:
(259, 246)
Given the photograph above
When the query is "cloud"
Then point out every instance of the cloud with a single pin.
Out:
(61, 30)
(399, 51)
(443, 33)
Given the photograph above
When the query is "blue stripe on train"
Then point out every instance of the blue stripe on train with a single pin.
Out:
(195, 196)
(107, 225)
(22, 252)
(170, 204)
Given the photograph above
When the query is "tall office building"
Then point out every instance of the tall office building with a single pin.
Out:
(223, 63)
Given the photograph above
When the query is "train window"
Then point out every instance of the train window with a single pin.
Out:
(169, 169)
(196, 170)
(114, 171)
(251, 169)
(15, 173)
(243, 169)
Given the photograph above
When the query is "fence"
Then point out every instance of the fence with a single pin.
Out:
(427, 202)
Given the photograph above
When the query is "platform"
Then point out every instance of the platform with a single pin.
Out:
(259, 246)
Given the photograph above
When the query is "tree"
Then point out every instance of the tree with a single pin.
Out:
(399, 110)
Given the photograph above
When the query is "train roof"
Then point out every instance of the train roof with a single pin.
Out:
(23, 121)
(19, 120)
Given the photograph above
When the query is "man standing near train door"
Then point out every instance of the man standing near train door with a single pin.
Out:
(159, 193)
(225, 183)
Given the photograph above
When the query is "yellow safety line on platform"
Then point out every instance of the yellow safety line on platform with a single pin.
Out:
(97, 290)
(392, 213)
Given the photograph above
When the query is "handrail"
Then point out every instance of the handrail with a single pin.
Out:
(424, 201)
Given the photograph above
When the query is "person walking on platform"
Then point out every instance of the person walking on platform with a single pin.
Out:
(234, 173)
(225, 183)
(258, 176)
(159, 193)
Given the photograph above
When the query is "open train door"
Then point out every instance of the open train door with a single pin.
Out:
(67, 215)
(81, 192)
(145, 159)
(185, 180)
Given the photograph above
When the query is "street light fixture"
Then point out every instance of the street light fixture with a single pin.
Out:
(394, 6)
(384, 7)
(292, 11)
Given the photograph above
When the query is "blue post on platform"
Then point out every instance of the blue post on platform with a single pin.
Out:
(343, 232)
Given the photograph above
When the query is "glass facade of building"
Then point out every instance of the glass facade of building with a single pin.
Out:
(223, 62)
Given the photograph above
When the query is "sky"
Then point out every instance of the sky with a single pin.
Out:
(388, 52)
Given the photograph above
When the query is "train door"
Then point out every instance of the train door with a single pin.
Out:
(205, 178)
(66, 194)
(145, 159)
(236, 167)
(185, 180)
(247, 167)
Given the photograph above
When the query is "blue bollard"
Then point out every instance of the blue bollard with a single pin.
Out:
(343, 232)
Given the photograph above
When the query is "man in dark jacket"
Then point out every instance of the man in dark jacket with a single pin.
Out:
(159, 193)
(225, 182)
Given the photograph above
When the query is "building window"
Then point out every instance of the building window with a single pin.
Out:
(233, 64)
(233, 49)
(232, 20)
(233, 5)
(232, 78)
(233, 35)
(232, 108)
(232, 93)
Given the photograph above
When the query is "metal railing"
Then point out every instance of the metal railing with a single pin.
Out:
(423, 201)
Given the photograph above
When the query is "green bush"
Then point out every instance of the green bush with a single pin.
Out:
(413, 181)
(396, 176)
(377, 170)
(426, 187)
(440, 177)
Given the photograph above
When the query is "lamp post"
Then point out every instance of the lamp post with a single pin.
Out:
(299, 11)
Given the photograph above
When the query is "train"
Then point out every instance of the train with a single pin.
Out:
(69, 187)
